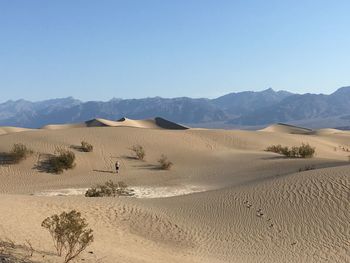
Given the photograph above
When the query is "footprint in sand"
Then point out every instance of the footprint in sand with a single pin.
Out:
(247, 204)
(259, 213)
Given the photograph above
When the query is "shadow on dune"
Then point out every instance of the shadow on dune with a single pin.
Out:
(128, 157)
(43, 165)
(277, 158)
(77, 148)
(8, 258)
(148, 166)
(143, 164)
(6, 159)
(103, 171)
(165, 124)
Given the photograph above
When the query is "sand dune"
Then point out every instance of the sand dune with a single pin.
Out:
(225, 200)
(156, 123)
(6, 130)
(330, 131)
(286, 128)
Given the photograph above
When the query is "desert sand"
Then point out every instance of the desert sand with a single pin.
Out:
(224, 200)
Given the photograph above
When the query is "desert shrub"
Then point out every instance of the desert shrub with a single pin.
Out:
(303, 151)
(19, 152)
(62, 160)
(109, 189)
(164, 163)
(139, 152)
(293, 152)
(70, 233)
(86, 147)
(306, 151)
(278, 149)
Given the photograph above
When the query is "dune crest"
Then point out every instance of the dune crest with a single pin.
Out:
(287, 128)
(157, 123)
(329, 131)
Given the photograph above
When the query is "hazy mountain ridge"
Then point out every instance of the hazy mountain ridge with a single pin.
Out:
(245, 102)
(235, 109)
(300, 107)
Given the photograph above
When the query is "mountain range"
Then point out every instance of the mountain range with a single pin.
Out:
(242, 109)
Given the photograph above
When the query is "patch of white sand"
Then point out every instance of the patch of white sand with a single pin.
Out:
(139, 191)
(161, 192)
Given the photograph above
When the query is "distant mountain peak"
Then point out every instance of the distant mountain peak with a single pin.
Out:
(342, 90)
(269, 90)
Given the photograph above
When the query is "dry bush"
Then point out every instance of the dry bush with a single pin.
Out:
(164, 163)
(109, 189)
(139, 152)
(86, 147)
(303, 151)
(70, 234)
(278, 149)
(306, 151)
(18, 153)
(62, 160)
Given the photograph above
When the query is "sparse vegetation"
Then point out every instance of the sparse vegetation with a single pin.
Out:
(62, 160)
(70, 234)
(303, 151)
(86, 147)
(164, 163)
(139, 152)
(278, 149)
(20, 152)
(109, 189)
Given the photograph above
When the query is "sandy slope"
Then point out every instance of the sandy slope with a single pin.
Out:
(6, 130)
(305, 214)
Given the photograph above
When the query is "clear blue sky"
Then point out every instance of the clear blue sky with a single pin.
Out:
(130, 49)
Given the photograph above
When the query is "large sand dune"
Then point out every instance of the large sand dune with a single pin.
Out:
(157, 123)
(231, 201)
(286, 128)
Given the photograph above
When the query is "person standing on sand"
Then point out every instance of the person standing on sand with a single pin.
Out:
(117, 166)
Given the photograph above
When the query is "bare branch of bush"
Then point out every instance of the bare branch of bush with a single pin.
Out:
(30, 248)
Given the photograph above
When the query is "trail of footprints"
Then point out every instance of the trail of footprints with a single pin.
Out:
(260, 214)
